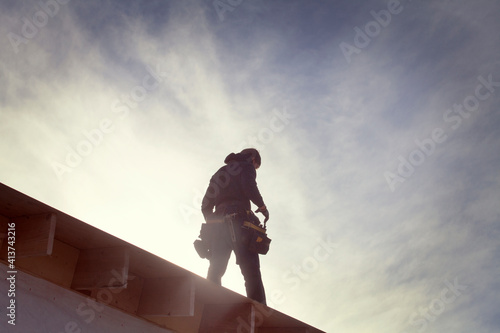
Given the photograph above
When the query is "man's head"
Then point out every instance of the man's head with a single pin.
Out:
(254, 156)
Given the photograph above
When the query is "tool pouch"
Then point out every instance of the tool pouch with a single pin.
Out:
(202, 245)
(256, 238)
(202, 249)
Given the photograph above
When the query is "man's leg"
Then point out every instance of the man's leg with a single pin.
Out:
(220, 252)
(250, 268)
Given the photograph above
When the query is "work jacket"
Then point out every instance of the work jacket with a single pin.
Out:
(233, 184)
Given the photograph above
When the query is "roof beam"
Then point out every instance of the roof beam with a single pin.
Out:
(125, 299)
(283, 330)
(102, 268)
(58, 268)
(34, 235)
(167, 297)
(230, 318)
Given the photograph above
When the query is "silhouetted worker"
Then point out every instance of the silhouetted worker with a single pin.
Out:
(230, 192)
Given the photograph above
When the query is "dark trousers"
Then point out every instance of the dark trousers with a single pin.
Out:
(222, 243)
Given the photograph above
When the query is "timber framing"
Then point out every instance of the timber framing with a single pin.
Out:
(78, 259)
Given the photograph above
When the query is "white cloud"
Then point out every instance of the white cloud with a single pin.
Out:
(323, 169)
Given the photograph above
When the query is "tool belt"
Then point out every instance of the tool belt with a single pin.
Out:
(252, 235)
(257, 238)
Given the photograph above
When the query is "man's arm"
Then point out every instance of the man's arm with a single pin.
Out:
(208, 202)
(249, 185)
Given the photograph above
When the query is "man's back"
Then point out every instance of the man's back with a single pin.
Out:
(230, 192)
(234, 182)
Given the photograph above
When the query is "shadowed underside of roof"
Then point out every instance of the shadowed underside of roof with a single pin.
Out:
(81, 261)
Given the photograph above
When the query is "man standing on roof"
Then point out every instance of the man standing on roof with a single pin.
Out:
(230, 192)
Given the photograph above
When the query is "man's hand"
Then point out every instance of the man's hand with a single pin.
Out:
(264, 212)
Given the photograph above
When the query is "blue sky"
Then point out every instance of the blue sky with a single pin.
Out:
(377, 122)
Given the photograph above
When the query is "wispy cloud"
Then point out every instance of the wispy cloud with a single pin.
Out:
(152, 97)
